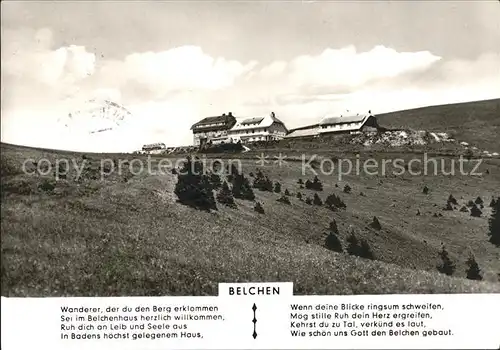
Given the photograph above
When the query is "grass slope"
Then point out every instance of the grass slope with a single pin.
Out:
(127, 235)
(477, 123)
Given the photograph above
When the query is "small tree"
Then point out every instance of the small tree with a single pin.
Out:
(473, 271)
(448, 206)
(492, 203)
(425, 190)
(277, 187)
(347, 189)
(287, 193)
(242, 188)
(300, 182)
(494, 224)
(464, 209)
(333, 202)
(365, 250)
(479, 201)
(309, 201)
(352, 244)
(225, 196)
(332, 242)
(215, 180)
(193, 187)
(299, 196)
(447, 266)
(452, 200)
(317, 200)
(284, 199)
(475, 211)
(376, 224)
(258, 208)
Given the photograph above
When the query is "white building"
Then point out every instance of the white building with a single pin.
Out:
(266, 128)
(347, 124)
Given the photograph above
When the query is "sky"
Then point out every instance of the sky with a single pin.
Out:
(173, 63)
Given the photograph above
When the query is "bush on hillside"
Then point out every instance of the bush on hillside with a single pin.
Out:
(475, 211)
(473, 271)
(334, 203)
(492, 203)
(347, 189)
(287, 193)
(309, 201)
(447, 266)
(277, 187)
(452, 200)
(299, 196)
(464, 209)
(471, 204)
(215, 180)
(425, 190)
(300, 182)
(284, 199)
(332, 242)
(494, 224)
(47, 185)
(479, 201)
(225, 196)
(242, 188)
(360, 248)
(376, 224)
(258, 208)
(193, 187)
(317, 200)
(263, 183)
(315, 185)
(448, 206)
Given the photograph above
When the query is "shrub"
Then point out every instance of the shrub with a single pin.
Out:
(425, 190)
(447, 266)
(493, 203)
(317, 200)
(376, 224)
(452, 200)
(470, 204)
(315, 184)
(242, 188)
(263, 183)
(174, 171)
(225, 196)
(215, 180)
(284, 199)
(277, 187)
(353, 244)
(473, 271)
(365, 250)
(448, 206)
(300, 182)
(475, 211)
(309, 201)
(332, 242)
(362, 194)
(47, 185)
(287, 193)
(258, 208)
(299, 196)
(347, 189)
(333, 202)
(479, 201)
(251, 174)
(494, 224)
(464, 209)
(193, 188)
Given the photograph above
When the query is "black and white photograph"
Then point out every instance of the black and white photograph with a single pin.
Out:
(159, 148)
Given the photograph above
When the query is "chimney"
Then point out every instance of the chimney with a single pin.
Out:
(223, 114)
(230, 114)
(272, 114)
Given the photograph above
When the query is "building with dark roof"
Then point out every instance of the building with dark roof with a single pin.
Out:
(212, 129)
(347, 124)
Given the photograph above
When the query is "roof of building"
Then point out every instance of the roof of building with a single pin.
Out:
(303, 132)
(332, 120)
(228, 119)
(256, 122)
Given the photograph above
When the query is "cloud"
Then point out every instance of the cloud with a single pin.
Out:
(183, 68)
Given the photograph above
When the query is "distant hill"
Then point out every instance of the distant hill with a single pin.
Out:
(477, 123)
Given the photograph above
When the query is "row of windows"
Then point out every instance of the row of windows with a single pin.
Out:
(340, 126)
